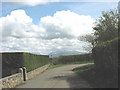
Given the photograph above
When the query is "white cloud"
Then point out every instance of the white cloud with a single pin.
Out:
(67, 24)
(54, 33)
(18, 25)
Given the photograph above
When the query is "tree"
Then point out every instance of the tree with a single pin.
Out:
(106, 28)
(119, 17)
(88, 38)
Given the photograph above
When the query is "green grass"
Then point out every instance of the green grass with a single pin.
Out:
(96, 80)
(54, 66)
(83, 68)
(87, 73)
(81, 62)
(60, 65)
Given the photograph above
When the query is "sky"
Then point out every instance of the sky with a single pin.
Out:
(48, 26)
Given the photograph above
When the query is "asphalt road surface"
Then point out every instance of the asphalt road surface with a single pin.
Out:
(59, 77)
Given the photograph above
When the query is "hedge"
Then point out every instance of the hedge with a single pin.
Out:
(12, 61)
(33, 61)
(72, 58)
(105, 57)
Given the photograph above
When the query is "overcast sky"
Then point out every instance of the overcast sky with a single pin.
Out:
(45, 27)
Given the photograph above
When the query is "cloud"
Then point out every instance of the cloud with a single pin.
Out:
(66, 24)
(18, 25)
(42, 46)
(53, 33)
(30, 2)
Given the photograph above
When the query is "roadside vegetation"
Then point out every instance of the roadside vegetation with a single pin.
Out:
(104, 48)
(12, 61)
(89, 74)
(33, 61)
(60, 65)
(71, 59)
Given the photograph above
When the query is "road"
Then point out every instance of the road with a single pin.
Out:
(59, 77)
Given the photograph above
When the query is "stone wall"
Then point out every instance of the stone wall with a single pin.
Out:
(16, 79)
(37, 71)
(12, 81)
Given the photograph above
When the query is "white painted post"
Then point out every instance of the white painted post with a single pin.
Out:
(21, 71)
(24, 74)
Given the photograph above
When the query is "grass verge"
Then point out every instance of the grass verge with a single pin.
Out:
(60, 65)
(95, 80)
